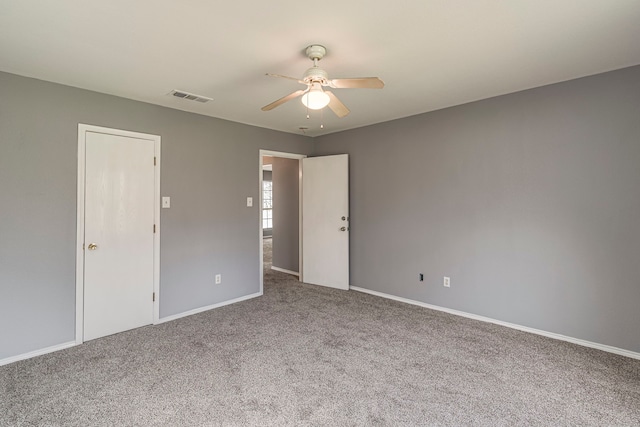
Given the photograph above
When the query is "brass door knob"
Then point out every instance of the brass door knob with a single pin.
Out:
(343, 228)
(93, 246)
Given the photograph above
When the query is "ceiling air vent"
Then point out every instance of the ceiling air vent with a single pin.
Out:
(190, 96)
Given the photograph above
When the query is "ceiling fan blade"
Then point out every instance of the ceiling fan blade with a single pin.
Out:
(357, 83)
(282, 100)
(336, 105)
(286, 77)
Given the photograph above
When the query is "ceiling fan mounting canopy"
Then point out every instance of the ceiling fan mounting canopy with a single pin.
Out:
(316, 52)
(315, 78)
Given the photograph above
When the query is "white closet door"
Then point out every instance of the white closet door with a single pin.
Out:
(119, 234)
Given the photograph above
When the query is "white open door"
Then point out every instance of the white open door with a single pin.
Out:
(325, 221)
(119, 234)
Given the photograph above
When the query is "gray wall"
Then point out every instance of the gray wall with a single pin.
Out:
(209, 167)
(530, 202)
(286, 213)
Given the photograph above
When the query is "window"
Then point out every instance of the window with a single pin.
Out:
(267, 204)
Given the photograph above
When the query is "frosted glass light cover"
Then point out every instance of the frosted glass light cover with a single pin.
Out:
(315, 99)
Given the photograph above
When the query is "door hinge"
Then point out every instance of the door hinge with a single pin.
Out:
(83, 246)
(153, 298)
(154, 160)
(154, 228)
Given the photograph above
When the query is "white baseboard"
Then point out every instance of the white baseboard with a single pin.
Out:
(206, 308)
(35, 353)
(282, 270)
(603, 347)
(53, 348)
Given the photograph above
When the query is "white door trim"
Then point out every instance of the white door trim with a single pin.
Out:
(261, 259)
(82, 130)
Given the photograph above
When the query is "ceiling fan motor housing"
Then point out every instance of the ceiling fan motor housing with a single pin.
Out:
(315, 74)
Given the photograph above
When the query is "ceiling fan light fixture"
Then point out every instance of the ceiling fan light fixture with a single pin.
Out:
(315, 98)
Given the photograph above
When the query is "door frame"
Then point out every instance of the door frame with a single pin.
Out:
(82, 131)
(284, 155)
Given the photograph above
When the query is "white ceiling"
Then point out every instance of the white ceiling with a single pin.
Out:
(430, 53)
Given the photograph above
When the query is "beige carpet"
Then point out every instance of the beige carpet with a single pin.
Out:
(307, 355)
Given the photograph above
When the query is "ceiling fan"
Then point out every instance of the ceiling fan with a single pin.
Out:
(316, 98)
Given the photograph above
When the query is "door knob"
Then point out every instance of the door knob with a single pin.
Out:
(93, 246)
(343, 228)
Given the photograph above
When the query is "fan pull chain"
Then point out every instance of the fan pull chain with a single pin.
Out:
(322, 119)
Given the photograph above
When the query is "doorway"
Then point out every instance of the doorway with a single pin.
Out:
(323, 219)
(118, 231)
(280, 217)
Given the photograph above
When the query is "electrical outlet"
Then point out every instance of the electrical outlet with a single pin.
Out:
(218, 279)
(447, 282)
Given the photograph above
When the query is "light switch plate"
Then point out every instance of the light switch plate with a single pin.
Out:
(249, 202)
(166, 202)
